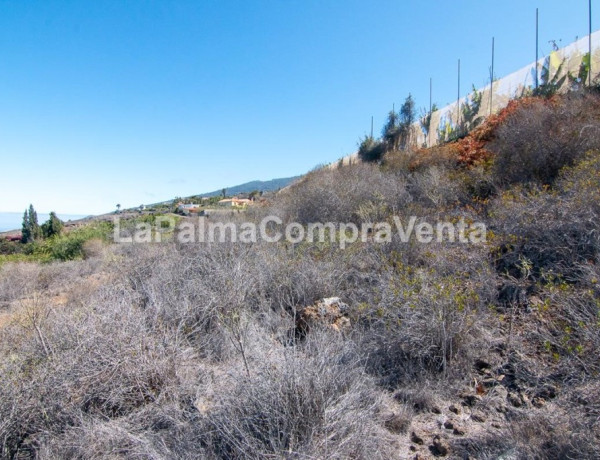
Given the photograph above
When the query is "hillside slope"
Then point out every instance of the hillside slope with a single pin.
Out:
(366, 346)
(262, 186)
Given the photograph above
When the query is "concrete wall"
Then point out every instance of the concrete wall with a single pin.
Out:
(514, 85)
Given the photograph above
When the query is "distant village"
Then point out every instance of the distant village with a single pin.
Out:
(204, 206)
(190, 206)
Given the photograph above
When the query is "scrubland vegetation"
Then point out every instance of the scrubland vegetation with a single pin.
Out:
(61, 246)
(225, 351)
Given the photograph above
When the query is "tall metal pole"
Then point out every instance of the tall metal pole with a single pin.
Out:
(430, 107)
(492, 77)
(536, 46)
(430, 93)
(458, 98)
(590, 43)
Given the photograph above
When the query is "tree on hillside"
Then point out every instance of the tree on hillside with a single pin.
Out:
(397, 129)
(31, 230)
(118, 208)
(370, 149)
(26, 229)
(407, 118)
(53, 226)
(391, 132)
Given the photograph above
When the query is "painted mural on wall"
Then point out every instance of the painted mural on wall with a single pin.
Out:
(562, 69)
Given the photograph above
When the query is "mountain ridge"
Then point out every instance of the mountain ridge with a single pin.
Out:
(247, 187)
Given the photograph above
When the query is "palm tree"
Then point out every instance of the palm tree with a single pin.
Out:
(118, 208)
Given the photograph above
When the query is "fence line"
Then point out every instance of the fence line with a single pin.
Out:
(504, 90)
(513, 86)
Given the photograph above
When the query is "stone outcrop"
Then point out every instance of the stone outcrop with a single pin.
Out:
(330, 313)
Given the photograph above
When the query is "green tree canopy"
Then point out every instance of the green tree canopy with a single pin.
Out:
(53, 226)
(390, 132)
(370, 149)
(31, 230)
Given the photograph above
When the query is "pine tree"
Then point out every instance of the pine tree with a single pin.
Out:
(407, 118)
(53, 226)
(36, 231)
(31, 230)
(390, 131)
(26, 236)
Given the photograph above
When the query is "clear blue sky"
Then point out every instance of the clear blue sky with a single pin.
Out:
(130, 102)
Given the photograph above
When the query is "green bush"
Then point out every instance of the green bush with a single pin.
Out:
(53, 226)
(69, 246)
(371, 149)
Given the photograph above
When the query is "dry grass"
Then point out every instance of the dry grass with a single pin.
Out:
(183, 351)
(539, 139)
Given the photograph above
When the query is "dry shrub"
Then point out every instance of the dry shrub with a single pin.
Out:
(17, 280)
(336, 195)
(540, 138)
(567, 328)
(289, 281)
(442, 156)
(199, 290)
(431, 176)
(549, 234)
(314, 401)
(534, 436)
(473, 148)
(98, 439)
(21, 280)
(547, 260)
(478, 185)
(153, 433)
(61, 366)
(192, 289)
(93, 248)
(433, 187)
(429, 321)
(366, 193)
(421, 398)
(543, 240)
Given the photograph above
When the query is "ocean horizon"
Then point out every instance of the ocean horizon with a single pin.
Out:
(13, 220)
